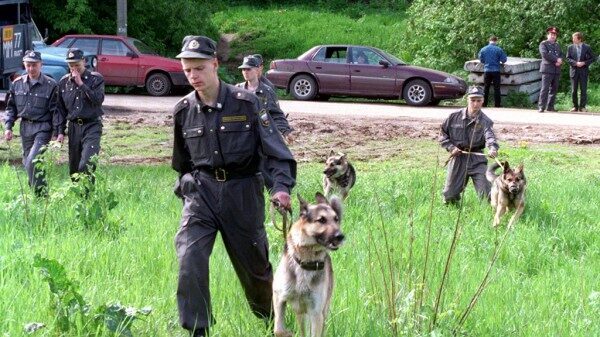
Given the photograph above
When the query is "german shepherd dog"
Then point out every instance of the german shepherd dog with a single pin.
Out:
(508, 191)
(304, 277)
(339, 175)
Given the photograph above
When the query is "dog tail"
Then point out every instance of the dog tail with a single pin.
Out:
(490, 174)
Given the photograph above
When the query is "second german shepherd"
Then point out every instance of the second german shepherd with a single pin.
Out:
(304, 277)
(508, 191)
(338, 176)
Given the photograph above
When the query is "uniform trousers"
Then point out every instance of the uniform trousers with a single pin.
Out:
(234, 208)
(460, 169)
(34, 135)
(548, 91)
(84, 142)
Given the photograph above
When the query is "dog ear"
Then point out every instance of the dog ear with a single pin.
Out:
(303, 206)
(321, 198)
(342, 156)
(519, 168)
(331, 153)
(506, 167)
(336, 204)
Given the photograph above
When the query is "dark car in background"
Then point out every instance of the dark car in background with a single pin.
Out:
(360, 71)
(125, 61)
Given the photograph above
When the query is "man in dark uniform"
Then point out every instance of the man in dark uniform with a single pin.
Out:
(550, 69)
(465, 133)
(80, 101)
(268, 101)
(261, 66)
(579, 57)
(33, 98)
(220, 137)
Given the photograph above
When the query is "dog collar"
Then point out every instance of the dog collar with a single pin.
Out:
(310, 265)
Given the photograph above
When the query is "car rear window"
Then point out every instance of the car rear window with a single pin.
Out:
(331, 55)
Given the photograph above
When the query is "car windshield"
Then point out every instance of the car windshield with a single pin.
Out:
(142, 47)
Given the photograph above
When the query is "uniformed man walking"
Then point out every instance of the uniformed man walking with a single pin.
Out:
(80, 101)
(33, 98)
(268, 101)
(220, 137)
(550, 69)
(261, 66)
(465, 133)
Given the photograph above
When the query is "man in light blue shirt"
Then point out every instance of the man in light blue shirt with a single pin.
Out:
(492, 57)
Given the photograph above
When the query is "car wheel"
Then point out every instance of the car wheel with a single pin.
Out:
(303, 88)
(417, 92)
(158, 84)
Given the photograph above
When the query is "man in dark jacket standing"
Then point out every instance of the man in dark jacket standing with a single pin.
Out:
(221, 135)
(80, 101)
(552, 59)
(33, 98)
(465, 133)
(579, 57)
(492, 58)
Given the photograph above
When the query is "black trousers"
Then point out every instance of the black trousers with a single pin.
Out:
(460, 169)
(490, 78)
(234, 208)
(84, 142)
(34, 136)
(548, 91)
(579, 79)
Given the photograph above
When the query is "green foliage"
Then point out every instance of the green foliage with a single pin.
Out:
(517, 99)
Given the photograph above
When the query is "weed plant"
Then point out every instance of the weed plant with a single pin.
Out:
(544, 280)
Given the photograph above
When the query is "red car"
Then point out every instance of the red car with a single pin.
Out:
(359, 71)
(125, 61)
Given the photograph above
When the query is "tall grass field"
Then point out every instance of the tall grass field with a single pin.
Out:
(410, 266)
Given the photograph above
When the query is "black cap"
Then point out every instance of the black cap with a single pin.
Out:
(250, 62)
(32, 56)
(74, 55)
(198, 47)
(475, 91)
(259, 58)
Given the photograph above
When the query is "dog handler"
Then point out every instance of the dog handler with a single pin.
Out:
(220, 137)
(465, 133)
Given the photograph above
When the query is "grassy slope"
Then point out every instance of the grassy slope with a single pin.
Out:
(545, 281)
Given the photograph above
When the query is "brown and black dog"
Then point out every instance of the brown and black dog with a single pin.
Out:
(508, 191)
(304, 277)
(338, 176)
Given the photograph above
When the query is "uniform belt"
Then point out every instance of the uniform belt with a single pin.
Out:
(470, 150)
(82, 121)
(32, 121)
(220, 174)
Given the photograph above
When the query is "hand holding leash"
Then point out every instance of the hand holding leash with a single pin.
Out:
(282, 201)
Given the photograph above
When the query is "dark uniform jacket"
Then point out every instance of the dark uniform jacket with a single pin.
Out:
(550, 53)
(83, 102)
(230, 136)
(36, 102)
(471, 135)
(586, 56)
(268, 100)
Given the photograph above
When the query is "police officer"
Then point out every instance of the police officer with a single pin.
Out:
(465, 133)
(262, 77)
(268, 101)
(33, 98)
(80, 100)
(550, 69)
(220, 136)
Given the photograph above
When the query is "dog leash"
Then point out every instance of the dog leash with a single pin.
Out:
(476, 154)
(275, 208)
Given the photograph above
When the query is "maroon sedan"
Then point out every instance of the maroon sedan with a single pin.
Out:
(344, 70)
(125, 61)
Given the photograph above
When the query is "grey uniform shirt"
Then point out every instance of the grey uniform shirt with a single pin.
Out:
(230, 136)
(550, 53)
(472, 135)
(268, 100)
(83, 101)
(33, 101)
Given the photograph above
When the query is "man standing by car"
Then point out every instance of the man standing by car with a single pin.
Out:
(465, 133)
(80, 101)
(33, 98)
(220, 137)
(492, 58)
(550, 69)
(579, 57)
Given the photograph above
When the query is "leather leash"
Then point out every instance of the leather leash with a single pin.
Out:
(476, 154)
(275, 208)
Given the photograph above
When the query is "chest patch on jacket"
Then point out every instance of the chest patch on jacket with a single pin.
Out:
(230, 119)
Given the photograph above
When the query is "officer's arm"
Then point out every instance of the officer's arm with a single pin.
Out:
(490, 137)
(62, 111)
(278, 116)
(95, 93)
(545, 53)
(181, 161)
(444, 137)
(503, 57)
(481, 56)
(11, 109)
(57, 116)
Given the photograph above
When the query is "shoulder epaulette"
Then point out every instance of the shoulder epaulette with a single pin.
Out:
(243, 94)
(182, 104)
(18, 78)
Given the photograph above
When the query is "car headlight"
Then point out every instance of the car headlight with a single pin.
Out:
(451, 80)
(95, 62)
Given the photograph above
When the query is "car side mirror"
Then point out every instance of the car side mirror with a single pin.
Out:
(132, 55)
(384, 63)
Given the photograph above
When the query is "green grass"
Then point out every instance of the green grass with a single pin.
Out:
(544, 283)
